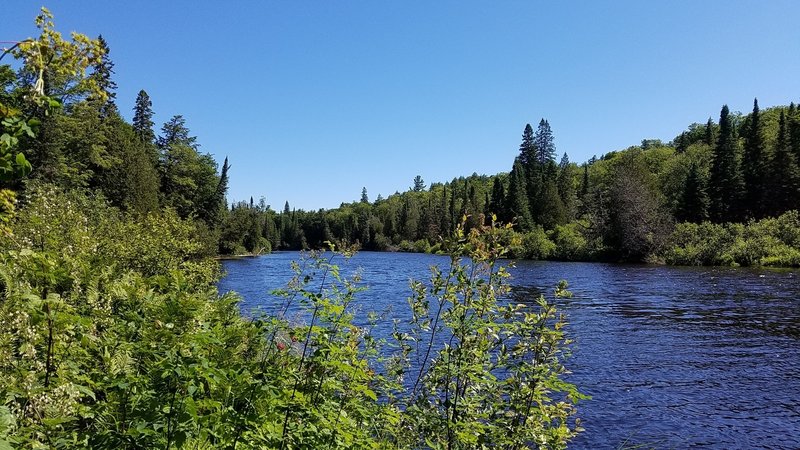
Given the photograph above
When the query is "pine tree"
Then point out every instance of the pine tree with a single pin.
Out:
(175, 132)
(754, 165)
(709, 137)
(419, 184)
(544, 143)
(143, 118)
(527, 149)
(566, 188)
(784, 186)
(364, 197)
(694, 202)
(726, 182)
(517, 198)
(498, 200)
(793, 126)
(103, 69)
(222, 186)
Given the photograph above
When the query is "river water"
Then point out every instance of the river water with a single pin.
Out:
(673, 357)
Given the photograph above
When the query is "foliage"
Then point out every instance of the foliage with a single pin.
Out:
(113, 336)
(767, 242)
(496, 380)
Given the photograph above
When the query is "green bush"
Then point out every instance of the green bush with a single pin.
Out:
(112, 335)
(768, 242)
(534, 245)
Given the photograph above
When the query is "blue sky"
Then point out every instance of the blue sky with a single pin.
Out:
(313, 100)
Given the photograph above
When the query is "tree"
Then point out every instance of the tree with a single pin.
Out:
(709, 135)
(419, 184)
(566, 187)
(174, 132)
(639, 224)
(783, 179)
(498, 200)
(693, 206)
(143, 118)
(754, 165)
(726, 182)
(527, 149)
(544, 143)
(517, 198)
(103, 69)
(364, 197)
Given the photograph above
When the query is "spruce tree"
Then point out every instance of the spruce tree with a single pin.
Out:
(544, 143)
(364, 197)
(693, 206)
(754, 166)
(143, 118)
(784, 179)
(709, 137)
(527, 149)
(103, 69)
(517, 198)
(419, 184)
(498, 200)
(566, 189)
(726, 182)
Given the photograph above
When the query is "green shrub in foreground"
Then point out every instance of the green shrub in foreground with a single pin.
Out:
(113, 336)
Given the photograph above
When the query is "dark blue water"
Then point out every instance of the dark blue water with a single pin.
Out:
(672, 357)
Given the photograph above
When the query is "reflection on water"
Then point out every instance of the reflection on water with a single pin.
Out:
(672, 357)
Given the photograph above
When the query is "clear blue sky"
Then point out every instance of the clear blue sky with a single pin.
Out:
(313, 100)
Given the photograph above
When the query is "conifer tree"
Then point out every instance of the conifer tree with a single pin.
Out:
(527, 149)
(694, 202)
(754, 165)
(544, 143)
(222, 186)
(784, 179)
(709, 137)
(726, 179)
(143, 118)
(566, 189)
(517, 198)
(103, 69)
(419, 184)
(498, 200)
(364, 197)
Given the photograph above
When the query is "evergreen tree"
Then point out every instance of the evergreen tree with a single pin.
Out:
(754, 165)
(419, 184)
(103, 69)
(544, 143)
(709, 136)
(527, 149)
(793, 125)
(222, 186)
(784, 179)
(498, 200)
(585, 181)
(694, 199)
(364, 197)
(517, 198)
(175, 132)
(726, 179)
(143, 118)
(566, 188)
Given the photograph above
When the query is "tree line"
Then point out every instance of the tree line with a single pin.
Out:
(624, 205)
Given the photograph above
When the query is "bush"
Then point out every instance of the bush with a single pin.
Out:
(112, 335)
(534, 245)
(768, 242)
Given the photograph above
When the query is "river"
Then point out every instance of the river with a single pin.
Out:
(673, 357)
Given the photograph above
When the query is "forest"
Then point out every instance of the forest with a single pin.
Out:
(113, 334)
(723, 193)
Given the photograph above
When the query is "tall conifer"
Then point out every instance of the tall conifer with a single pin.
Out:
(754, 165)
